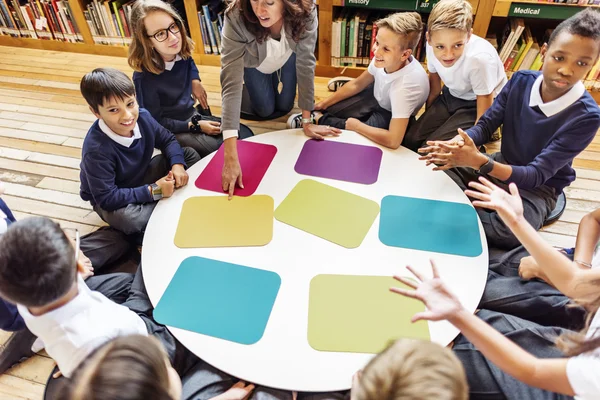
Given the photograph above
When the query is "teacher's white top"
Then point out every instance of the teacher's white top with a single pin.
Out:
(283, 357)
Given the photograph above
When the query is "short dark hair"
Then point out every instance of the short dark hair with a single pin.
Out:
(37, 262)
(585, 23)
(104, 83)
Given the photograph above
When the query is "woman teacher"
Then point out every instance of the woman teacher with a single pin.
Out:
(268, 45)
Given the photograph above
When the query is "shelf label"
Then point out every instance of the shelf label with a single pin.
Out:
(389, 4)
(529, 10)
(425, 6)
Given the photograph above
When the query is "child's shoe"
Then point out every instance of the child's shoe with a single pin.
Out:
(335, 83)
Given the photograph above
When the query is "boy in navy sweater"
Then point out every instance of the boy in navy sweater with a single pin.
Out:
(119, 176)
(548, 118)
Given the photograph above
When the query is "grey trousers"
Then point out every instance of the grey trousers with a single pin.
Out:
(201, 381)
(533, 300)
(537, 204)
(133, 218)
(441, 120)
(362, 106)
(205, 144)
(486, 380)
(108, 249)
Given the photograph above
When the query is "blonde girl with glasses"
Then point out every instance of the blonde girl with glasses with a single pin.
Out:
(166, 79)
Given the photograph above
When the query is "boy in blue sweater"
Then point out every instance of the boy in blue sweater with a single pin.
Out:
(119, 176)
(548, 118)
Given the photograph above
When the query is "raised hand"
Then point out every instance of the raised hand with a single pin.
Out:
(440, 302)
(508, 205)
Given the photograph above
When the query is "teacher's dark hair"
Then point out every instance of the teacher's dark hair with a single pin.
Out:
(296, 14)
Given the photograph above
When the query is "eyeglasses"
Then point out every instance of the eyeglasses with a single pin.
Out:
(163, 34)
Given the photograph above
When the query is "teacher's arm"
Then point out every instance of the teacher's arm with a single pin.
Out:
(305, 74)
(232, 73)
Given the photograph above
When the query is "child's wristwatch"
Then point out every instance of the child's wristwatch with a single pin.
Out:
(156, 192)
(488, 166)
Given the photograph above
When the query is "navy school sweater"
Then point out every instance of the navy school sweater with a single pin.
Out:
(112, 174)
(167, 96)
(539, 148)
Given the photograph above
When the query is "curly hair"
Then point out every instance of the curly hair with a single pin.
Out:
(296, 14)
(585, 24)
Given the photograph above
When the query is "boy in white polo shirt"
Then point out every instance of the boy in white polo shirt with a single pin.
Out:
(469, 67)
(382, 102)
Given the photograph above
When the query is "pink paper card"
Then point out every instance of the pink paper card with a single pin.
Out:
(255, 159)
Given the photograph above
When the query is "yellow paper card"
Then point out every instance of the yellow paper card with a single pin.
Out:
(359, 314)
(330, 213)
(215, 221)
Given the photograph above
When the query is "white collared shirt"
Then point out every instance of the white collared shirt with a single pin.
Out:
(478, 71)
(71, 332)
(169, 64)
(555, 106)
(402, 92)
(122, 140)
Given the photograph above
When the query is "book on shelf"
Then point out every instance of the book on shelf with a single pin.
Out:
(39, 19)
(109, 21)
(519, 49)
(353, 37)
(211, 24)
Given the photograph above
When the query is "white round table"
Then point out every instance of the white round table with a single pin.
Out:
(283, 357)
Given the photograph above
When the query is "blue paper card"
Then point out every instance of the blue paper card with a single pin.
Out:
(429, 225)
(219, 299)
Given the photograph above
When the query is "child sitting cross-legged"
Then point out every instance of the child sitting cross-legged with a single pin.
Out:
(381, 103)
(119, 175)
(548, 118)
(411, 369)
(469, 67)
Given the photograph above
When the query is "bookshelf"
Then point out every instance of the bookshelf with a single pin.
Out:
(485, 11)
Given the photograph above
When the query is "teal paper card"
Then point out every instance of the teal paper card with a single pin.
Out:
(219, 299)
(430, 225)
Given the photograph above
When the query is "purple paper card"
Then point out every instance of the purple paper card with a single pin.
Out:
(341, 161)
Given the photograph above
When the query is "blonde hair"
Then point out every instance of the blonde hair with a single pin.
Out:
(451, 14)
(411, 369)
(406, 24)
(127, 368)
(142, 56)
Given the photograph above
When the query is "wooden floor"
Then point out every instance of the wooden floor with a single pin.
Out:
(43, 120)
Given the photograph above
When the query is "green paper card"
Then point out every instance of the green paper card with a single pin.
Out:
(329, 213)
(359, 314)
(215, 221)
(219, 299)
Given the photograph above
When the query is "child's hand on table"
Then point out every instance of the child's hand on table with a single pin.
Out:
(239, 391)
(199, 93)
(457, 152)
(180, 175)
(440, 302)
(167, 184)
(508, 205)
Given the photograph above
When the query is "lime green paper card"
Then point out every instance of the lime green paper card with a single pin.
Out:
(329, 213)
(215, 221)
(359, 314)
